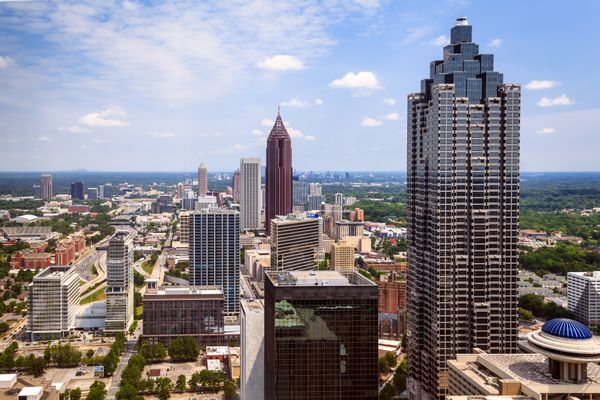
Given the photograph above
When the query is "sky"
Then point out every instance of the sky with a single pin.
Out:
(162, 86)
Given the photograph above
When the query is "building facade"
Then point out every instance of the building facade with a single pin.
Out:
(215, 253)
(77, 191)
(202, 180)
(119, 283)
(278, 173)
(299, 195)
(184, 227)
(463, 213)
(46, 187)
(236, 186)
(583, 296)
(52, 302)
(252, 346)
(320, 336)
(342, 256)
(295, 241)
(345, 228)
(249, 193)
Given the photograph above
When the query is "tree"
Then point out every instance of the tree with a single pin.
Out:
(382, 366)
(128, 392)
(152, 352)
(230, 389)
(34, 365)
(184, 348)
(110, 362)
(3, 327)
(525, 315)
(180, 385)
(75, 394)
(387, 393)
(97, 391)
(137, 299)
(162, 388)
(89, 353)
(390, 359)
(400, 376)
(194, 382)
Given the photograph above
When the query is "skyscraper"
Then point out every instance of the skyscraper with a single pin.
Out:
(299, 195)
(320, 336)
(119, 283)
(249, 193)
(463, 213)
(77, 191)
(202, 180)
(236, 185)
(278, 173)
(46, 186)
(215, 253)
(295, 241)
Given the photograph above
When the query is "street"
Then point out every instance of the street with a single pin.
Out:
(116, 378)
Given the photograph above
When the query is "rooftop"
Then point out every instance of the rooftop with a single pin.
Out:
(187, 290)
(318, 278)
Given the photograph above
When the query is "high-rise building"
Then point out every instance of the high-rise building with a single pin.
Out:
(339, 199)
(249, 193)
(108, 190)
(119, 283)
(583, 296)
(278, 173)
(77, 191)
(215, 253)
(37, 192)
(46, 186)
(202, 180)
(101, 192)
(342, 256)
(315, 189)
(92, 193)
(52, 302)
(299, 195)
(252, 346)
(294, 240)
(236, 185)
(463, 213)
(184, 227)
(346, 228)
(357, 215)
(320, 336)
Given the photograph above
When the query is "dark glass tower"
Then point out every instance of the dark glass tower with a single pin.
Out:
(320, 336)
(463, 213)
(279, 173)
(77, 191)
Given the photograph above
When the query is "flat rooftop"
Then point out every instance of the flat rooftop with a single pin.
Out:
(187, 290)
(317, 278)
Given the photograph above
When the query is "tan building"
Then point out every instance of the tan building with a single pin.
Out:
(362, 244)
(202, 180)
(184, 227)
(342, 256)
(348, 228)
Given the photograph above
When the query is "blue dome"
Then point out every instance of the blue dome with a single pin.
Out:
(567, 329)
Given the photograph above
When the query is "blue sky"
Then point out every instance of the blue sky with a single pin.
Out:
(135, 86)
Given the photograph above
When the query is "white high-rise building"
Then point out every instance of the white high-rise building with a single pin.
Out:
(119, 283)
(252, 338)
(295, 240)
(53, 300)
(250, 193)
(583, 296)
(202, 180)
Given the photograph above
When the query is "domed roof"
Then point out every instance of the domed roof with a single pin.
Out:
(567, 329)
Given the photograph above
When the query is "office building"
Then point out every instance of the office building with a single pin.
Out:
(108, 191)
(252, 343)
(314, 201)
(37, 192)
(46, 187)
(583, 296)
(52, 302)
(339, 199)
(278, 173)
(204, 202)
(184, 227)
(165, 203)
(357, 215)
(345, 228)
(333, 210)
(299, 195)
(294, 241)
(462, 213)
(342, 256)
(236, 185)
(215, 253)
(315, 189)
(320, 336)
(202, 180)
(177, 311)
(92, 194)
(101, 192)
(77, 191)
(562, 363)
(250, 196)
(119, 283)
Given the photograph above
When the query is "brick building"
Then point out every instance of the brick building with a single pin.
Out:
(67, 250)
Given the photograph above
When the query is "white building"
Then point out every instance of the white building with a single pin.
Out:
(295, 240)
(250, 195)
(252, 338)
(119, 283)
(583, 296)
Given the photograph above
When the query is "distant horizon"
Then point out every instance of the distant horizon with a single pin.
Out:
(262, 166)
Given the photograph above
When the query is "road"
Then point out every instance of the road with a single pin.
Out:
(116, 379)
(101, 267)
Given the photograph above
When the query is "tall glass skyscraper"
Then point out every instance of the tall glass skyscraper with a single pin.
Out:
(463, 213)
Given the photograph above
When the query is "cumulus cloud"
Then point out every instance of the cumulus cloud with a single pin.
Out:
(298, 134)
(389, 101)
(257, 132)
(371, 122)
(295, 103)
(164, 135)
(281, 63)
(318, 102)
(360, 80)
(546, 131)
(539, 85)
(109, 118)
(267, 122)
(5, 62)
(415, 34)
(561, 100)
(310, 137)
(494, 43)
(393, 116)
(73, 129)
(44, 139)
(441, 40)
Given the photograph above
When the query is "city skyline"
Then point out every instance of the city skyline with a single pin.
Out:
(343, 72)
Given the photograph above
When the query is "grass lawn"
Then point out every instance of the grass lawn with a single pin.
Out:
(147, 266)
(138, 311)
(97, 295)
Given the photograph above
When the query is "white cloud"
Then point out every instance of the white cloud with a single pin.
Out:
(441, 40)
(494, 43)
(371, 122)
(415, 34)
(257, 132)
(539, 85)
(267, 122)
(73, 129)
(360, 80)
(6, 61)
(393, 116)
(546, 131)
(561, 100)
(44, 139)
(295, 103)
(164, 135)
(108, 118)
(281, 63)
(298, 134)
(389, 101)
(318, 102)
(310, 137)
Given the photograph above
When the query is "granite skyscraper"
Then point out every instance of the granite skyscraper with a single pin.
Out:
(463, 213)
(278, 173)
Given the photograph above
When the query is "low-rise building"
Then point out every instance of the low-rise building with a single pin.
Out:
(345, 228)
(342, 256)
(67, 250)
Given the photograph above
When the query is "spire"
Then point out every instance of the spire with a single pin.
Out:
(279, 130)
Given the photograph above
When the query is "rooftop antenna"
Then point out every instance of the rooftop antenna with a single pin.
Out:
(278, 110)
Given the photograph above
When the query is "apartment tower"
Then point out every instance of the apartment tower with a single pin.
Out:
(202, 180)
(119, 283)
(46, 186)
(295, 240)
(463, 213)
(249, 193)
